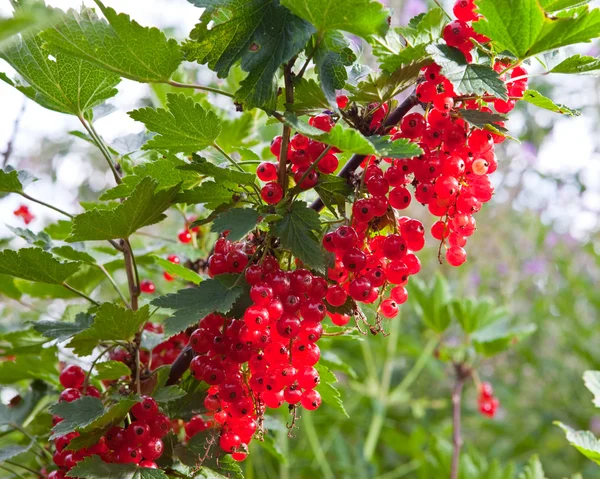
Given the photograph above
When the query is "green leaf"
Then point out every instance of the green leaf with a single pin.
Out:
(168, 394)
(592, 382)
(8, 287)
(144, 207)
(220, 174)
(40, 239)
(238, 221)
(183, 127)
(192, 304)
(539, 100)
(333, 190)
(261, 35)
(10, 452)
(119, 44)
(480, 119)
(189, 405)
(63, 330)
(555, 5)
(578, 64)
(467, 78)
(361, 17)
(329, 393)
(64, 84)
(524, 29)
(352, 141)
(385, 86)
(308, 97)
(533, 469)
(111, 370)
(499, 336)
(584, 441)
(93, 467)
(332, 55)
(88, 413)
(18, 413)
(111, 323)
(178, 270)
(26, 341)
(68, 252)
(209, 193)
(164, 170)
(26, 18)
(41, 365)
(13, 181)
(35, 264)
(297, 232)
(269, 444)
(432, 302)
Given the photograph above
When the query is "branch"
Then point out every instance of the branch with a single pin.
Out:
(199, 87)
(462, 374)
(288, 77)
(13, 136)
(355, 160)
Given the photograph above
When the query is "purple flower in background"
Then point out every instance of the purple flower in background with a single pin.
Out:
(552, 239)
(529, 151)
(502, 269)
(412, 8)
(535, 266)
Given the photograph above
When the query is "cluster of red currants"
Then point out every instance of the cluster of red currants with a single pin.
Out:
(23, 212)
(276, 338)
(487, 402)
(302, 152)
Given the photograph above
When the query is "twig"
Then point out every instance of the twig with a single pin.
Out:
(288, 78)
(100, 144)
(33, 471)
(199, 87)
(93, 365)
(131, 271)
(79, 293)
(30, 198)
(355, 160)
(114, 283)
(13, 136)
(462, 373)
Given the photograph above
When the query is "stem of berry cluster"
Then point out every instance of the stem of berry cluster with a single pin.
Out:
(462, 373)
(355, 160)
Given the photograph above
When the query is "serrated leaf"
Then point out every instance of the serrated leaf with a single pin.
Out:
(578, 64)
(467, 78)
(183, 127)
(192, 304)
(40, 239)
(524, 29)
(35, 264)
(384, 86)
(59, 230)
(13, 181)
(592, 382)
(111, 370)
(8, 287)
(68, 252)
(332, 55)
(308, 97)
(220, 174)
(178, 270)
(329, 393)
(480, 119)
(238, 221)
(539, 100)
(12, 451)
(333, 361)
(333, 190)
(164, 170)
(26, 18)
(168, 394)
(297, 233)
(144, 207)
(352, 141)
(117, 44)
(111, 323)
(93, 467)
(498, 336)
(25, 341)
(63, 330)
(210, 193)
(584, 441)
(555, 5)
(18, 413)
(64, 84)
(41, 365)
(88, 413)
(533, 469)
(261, 35)
(361, 17)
